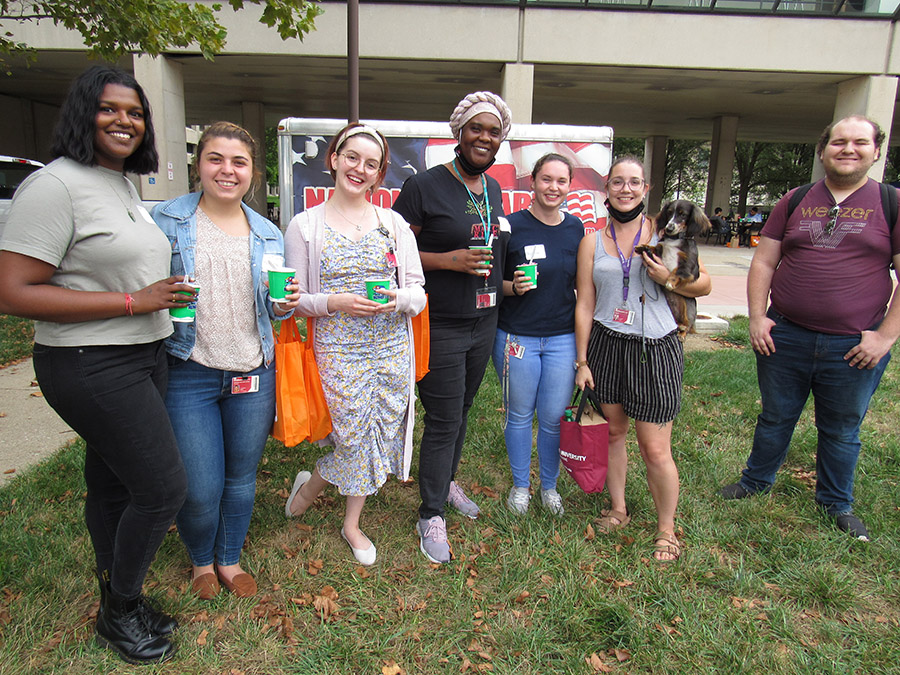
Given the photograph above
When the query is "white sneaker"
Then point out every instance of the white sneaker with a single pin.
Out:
(518, 500)
(552, 501)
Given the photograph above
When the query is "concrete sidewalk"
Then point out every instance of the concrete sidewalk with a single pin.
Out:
(30, 430)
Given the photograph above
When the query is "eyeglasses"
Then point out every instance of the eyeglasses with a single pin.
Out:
(353, 160)
(832, 215)
(619, 183)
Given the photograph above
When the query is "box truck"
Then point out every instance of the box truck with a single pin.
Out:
(417, 146)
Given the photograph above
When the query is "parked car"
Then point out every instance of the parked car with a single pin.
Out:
(13, 170)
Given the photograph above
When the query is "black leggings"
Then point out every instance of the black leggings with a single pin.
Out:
(113, 397)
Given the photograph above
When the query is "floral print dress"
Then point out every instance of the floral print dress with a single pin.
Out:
(364, 366)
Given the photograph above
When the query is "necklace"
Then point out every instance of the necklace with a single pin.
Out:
(116, 192)
(355, 224)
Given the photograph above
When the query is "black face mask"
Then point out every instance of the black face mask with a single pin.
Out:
(470, 168)
(624, 216)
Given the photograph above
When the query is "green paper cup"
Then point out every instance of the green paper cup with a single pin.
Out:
(487, 263)
(278, 279)
(186, 313)
(377, 282)
(530, 270)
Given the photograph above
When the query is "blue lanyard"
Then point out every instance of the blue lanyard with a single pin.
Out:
(626, 262)
(487, 204)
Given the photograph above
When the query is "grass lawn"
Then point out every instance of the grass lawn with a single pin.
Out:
(765, 585)
(16, 337)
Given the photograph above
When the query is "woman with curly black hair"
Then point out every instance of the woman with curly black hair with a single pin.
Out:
(82, 257)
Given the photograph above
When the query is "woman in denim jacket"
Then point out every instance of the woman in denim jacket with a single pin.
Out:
(221, 396)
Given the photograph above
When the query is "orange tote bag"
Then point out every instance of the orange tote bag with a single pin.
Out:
(301, 413)
(421, 326)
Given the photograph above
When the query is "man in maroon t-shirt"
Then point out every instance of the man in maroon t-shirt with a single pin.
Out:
(827, 268)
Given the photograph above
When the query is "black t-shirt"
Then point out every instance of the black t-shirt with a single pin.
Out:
(439, 204)
(548, 309)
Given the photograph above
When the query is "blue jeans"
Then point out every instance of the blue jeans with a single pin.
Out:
(221, 437)
(806, 361)
(542, 380)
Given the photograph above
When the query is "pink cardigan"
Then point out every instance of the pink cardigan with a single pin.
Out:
(303, 241)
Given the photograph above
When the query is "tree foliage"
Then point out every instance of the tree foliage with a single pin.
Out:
(111, 28)
(764, 172)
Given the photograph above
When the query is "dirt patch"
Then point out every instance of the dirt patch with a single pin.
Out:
(696, 342)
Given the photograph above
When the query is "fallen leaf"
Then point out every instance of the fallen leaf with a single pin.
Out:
(10, 471)
(589, 534)
(391, 668)
(621, 655)
(521, 597)
(597, 664)
(201, 639)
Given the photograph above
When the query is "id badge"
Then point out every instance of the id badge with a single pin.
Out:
(622, 315)
(391, 259)
(245, 385)
(517, 350)
(486, 297)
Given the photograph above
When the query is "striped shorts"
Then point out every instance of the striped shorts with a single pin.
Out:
(648, 389)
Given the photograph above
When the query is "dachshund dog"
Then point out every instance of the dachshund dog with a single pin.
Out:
(676, 226)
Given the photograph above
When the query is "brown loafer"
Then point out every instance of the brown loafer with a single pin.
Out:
(206, 586)
(242, 585)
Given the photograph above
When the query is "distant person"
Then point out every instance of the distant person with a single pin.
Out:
(719, 226)
(535, 345)
(364, 348)
(81, 255)
(824, 332)
(453, 208)
(754, 216)
(221, 396)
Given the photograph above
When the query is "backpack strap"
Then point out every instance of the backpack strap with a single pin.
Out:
(889, 204)
(797, 197)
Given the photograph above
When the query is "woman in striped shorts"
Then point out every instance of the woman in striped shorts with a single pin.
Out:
(627, 349)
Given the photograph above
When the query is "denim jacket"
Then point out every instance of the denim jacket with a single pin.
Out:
(177, 219)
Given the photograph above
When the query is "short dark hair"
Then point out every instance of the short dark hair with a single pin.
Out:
(552, 157)
(754, 208)
(74, 134)
(717, 210)
(878, 135)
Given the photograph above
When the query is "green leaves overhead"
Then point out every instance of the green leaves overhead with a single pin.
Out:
(111, 28)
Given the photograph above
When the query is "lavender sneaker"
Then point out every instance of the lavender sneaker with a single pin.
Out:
(433, 539)
(458, 500)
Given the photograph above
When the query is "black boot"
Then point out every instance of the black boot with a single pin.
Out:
(160, 622)
(122, 626)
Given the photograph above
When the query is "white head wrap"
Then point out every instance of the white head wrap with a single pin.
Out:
(477, 103)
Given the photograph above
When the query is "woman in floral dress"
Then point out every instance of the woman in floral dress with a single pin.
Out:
(363, 348)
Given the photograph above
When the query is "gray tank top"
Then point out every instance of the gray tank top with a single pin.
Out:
(657, 318)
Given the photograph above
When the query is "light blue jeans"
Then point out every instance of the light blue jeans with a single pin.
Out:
(221, 437)
(541, 381)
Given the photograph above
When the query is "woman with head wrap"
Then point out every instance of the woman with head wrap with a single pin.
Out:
(456, 212)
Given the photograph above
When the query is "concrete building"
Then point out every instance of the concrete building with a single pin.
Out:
(719, 70)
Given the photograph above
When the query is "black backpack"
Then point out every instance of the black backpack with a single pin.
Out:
(888, 201)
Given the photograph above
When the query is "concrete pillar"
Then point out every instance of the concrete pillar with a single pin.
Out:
(655, 168)
(253, 120)
(872, 96)
(163, 84)
(721, 163)
(518, 90)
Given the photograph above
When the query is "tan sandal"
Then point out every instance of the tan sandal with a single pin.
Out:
(666, 543)
(610, 521)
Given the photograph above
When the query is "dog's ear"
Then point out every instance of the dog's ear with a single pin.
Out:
(698, 223)
(662, 218)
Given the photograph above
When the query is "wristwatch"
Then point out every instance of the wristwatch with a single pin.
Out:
(578, 364)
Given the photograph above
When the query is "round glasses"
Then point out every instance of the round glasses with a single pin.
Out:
(619, 183)
(353, 160)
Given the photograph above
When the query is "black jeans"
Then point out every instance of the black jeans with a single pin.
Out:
(460, 351)
(113, 397)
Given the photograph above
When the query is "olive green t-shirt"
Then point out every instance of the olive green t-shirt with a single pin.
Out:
(89, 223)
